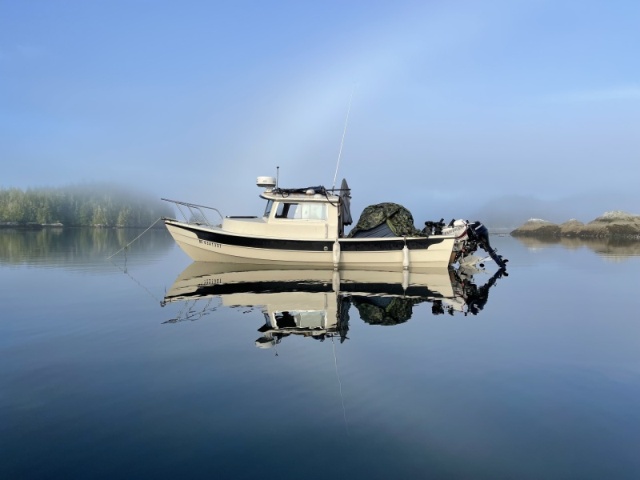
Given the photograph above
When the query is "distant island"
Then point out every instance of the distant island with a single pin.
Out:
(87, 205)
(615, 224)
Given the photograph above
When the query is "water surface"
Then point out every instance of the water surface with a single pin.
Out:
(99, 380)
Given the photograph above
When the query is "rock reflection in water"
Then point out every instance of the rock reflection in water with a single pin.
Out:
(607, 247)
(317, 303)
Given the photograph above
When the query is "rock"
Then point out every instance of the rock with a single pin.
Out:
(615, 224)
(538, 228)
(571, 228)
(617, 216)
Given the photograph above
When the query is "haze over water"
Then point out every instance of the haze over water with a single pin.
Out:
(459, 108)
(98, 380)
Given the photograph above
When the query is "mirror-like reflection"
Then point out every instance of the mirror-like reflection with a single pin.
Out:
(317, 303)
(93, 381)
(73, 247)
(607, 247)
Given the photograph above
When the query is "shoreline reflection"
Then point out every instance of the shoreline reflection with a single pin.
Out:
(86, 248)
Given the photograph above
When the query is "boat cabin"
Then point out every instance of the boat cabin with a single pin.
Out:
(299, 213)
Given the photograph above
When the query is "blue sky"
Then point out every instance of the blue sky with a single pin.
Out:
(456, 104)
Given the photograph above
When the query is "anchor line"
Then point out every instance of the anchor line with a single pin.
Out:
(127, 245)
(136, 281)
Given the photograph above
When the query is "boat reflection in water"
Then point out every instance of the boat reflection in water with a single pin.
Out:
(316, 303)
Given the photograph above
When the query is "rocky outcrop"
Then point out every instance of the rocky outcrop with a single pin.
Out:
(537, 227)
(571, 228)
(615, 224)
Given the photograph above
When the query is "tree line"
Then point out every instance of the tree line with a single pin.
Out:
(80, 205)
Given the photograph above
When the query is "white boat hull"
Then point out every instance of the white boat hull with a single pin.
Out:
(212, 244)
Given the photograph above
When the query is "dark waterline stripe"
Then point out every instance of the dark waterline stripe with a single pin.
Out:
(312, 245)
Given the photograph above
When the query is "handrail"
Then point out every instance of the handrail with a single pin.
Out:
(197, 216)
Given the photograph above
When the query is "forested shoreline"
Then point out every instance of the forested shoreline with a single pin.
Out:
(94, 205)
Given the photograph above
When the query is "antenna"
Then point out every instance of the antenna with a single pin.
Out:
(344, 132)
(277, 176)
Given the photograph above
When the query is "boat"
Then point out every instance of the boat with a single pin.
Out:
(316, 303)
(305, 227)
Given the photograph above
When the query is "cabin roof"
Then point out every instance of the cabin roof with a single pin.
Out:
(307, 194)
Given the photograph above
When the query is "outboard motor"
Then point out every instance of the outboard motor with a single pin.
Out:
(480, 234)
(469, 236)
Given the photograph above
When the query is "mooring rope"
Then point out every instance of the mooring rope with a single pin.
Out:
(124, 270)
(127, 245)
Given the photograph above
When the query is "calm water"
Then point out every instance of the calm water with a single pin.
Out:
(98, 380)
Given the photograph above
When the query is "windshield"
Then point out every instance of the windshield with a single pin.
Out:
(304, 211)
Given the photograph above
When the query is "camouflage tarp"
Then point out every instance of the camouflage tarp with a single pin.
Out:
(396, 217)
(386, 311)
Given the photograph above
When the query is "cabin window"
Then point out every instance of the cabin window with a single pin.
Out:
(286, 210)
(304, 211)
(310, 319)
(267, 210)
(313, 211)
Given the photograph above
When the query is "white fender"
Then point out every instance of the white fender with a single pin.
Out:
(405, 256)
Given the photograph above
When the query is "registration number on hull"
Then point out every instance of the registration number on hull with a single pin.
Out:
(211, 244)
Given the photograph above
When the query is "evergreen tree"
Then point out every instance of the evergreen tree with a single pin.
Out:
(83, 205)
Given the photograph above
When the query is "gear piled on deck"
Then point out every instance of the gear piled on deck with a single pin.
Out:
(385, 220)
